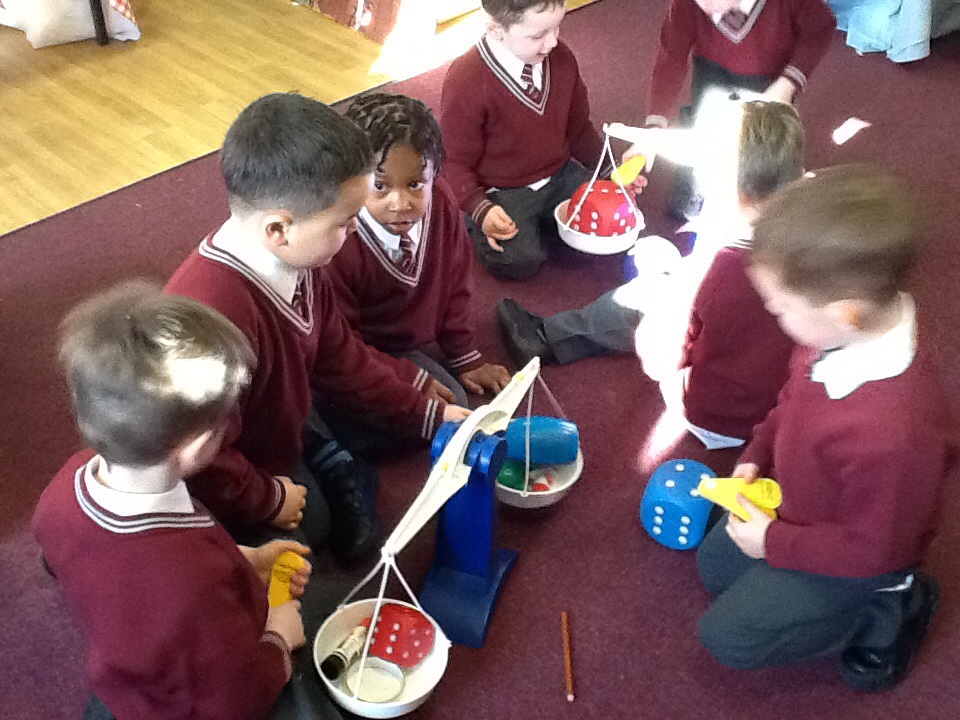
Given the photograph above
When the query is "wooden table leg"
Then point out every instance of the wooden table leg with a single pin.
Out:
(99, 23)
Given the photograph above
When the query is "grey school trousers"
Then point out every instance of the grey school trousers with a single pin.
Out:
(603, 327)
(764, 616)
(532, 212)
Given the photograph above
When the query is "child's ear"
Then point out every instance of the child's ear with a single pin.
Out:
(275, 227)
(495, 29)
(196, 453)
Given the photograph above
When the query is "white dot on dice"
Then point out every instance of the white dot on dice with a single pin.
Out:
(679, 467)
(671, 483)
(658, 520)
(658, 510)
(657, 531)
(685, 520)
(682, 540)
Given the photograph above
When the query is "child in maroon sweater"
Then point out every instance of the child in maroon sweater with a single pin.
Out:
(174, 612)
(297, 173)
(765, 46)
(859, 442)
(516, 124)
(404, 279)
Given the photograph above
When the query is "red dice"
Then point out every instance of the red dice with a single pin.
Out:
(606, 211)
(403, 635)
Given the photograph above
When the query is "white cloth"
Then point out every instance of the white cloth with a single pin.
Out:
(281, 278)
(389, 241)
(126, 504)
(885, 356)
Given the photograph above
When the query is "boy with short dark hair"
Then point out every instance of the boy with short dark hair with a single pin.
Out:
(405, 278)
(297, 173)
(860, 443)
(175, 614)
(516, 124)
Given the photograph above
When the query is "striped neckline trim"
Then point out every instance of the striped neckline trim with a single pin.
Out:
(500, 72)
(127, 525)
(304, 324)
(370, 239)
(737, 36)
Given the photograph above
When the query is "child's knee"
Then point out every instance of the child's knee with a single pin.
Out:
(517, 265)
(728, 641)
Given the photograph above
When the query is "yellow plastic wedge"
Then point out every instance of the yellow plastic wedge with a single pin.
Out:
(763, 492)
(627, 173)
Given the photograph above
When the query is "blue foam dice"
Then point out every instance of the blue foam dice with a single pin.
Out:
(553, 441)
(672, 511)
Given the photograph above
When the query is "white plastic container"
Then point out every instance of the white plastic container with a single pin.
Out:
(418, 682)
(595, 244)
(564, 478)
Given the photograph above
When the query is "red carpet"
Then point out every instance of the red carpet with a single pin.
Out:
(633, 604)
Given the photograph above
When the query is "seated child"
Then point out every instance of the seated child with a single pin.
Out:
(516, 125)
(860, 443)
(765, 46)
(175, 614)
(731, 354)
(404, 279)
(297, 173)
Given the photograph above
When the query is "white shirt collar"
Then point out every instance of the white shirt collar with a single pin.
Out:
(512, 64)
(272, 270)
(124, 504)
(389, 241)
(844, 370)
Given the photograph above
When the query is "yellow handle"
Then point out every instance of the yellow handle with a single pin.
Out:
(763, 492)
(283, 569)
(627, 173)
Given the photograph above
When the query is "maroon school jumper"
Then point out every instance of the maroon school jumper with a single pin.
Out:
(399, 312)
(173, 614)
(780, 37)
(495, 136)
(737, 354)
(862, 475)
(294, 353)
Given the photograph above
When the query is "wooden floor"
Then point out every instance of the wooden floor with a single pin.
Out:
(80, 120)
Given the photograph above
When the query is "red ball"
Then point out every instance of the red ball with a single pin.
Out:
(606, 211)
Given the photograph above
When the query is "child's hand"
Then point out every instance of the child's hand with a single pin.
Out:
(497, 225)
(637, 186)
(436, 390)
(291, 513)
(781, 90)
(486, 377)
(455, 413)
(748, 471)
(262, 558)
(286, 622)
(750, 535)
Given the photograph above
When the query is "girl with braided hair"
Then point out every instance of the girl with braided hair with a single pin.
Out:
(404, 279)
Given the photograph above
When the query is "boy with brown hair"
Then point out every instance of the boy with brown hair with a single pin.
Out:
(175, 614)
(859, 442)
(516, 123)
(297, 173)
(703, 334)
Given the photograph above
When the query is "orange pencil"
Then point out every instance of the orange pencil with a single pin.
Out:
(567, 658)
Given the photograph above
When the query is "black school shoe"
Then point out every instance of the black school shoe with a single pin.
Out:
(522, 333)
(350, 489)
(878, 669)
